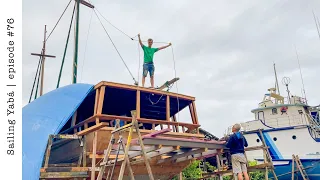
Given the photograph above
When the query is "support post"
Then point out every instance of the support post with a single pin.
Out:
(168, 108)
(138, 100)
(94, 152)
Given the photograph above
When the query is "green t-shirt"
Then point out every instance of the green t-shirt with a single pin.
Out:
(148, 53)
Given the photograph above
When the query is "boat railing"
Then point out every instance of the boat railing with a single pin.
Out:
(107, 121)
(287, 121)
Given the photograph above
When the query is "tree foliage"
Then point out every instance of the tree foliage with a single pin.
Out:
(193, 172)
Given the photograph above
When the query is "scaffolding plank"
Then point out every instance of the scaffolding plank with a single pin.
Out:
(92, 128)
(63, 175)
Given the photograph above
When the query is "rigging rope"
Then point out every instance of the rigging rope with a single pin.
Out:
(65, 49)
(116, 48)
(59, 20)
(175, 76)
(35, 96)
(35, 79)
(85, 50)
(132, 38)
(139, 63)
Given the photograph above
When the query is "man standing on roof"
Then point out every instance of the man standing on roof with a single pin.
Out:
(148, 65)
(236, 144)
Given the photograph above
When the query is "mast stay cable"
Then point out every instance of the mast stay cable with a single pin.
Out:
(58, 20)
(85, 49)
(135, 81)
(35, 79)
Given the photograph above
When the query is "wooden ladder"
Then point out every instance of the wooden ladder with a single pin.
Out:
(296, 159)
(133, 125)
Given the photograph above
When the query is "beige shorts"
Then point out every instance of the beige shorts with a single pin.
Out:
(239, 163)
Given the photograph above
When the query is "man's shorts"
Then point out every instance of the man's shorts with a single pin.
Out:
(148, 67)
(239, 163)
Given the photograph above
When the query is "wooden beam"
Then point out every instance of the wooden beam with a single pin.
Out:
(142, 89)
(96, 102)
(138, 99)
(192, 114)
(93, 173)
(48, 152)
(92, 128)
(189, 153)
(101, 100)
(195, 112)
(43, 55)
(150, 121)
(168, 108)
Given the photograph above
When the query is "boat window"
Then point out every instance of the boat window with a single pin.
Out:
(275, 139)
(300, 111)
(274, 111)
(294, 137)
(258, 140)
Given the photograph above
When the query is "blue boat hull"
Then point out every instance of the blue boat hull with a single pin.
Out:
(312, 169)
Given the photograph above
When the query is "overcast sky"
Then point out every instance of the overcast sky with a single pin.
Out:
(224, 50)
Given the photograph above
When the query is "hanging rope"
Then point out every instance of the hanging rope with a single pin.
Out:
(116, 49)
(59, 20)
(35, 79)
(175, 75)
(139, 63)
(85, 49)
(65, 49)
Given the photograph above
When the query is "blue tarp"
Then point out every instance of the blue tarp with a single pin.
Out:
(44, 116)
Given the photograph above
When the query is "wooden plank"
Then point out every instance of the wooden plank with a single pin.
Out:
(143, 89)
(46, 162)
(144, 120)
(63, 175)
(195, 112)
(101, 100)
(92, 128)
(167, 108)
(95, 137)
(138, 99)
(96, 102)
(189, 153)
(192, 114)
(253, 148)
(146, 160)
(84, 151)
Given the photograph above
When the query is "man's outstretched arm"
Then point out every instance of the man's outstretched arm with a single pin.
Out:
(140, 40)
(163, 47)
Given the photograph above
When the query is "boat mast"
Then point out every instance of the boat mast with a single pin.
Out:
(43, 56)
(75, 58)
(275, 74)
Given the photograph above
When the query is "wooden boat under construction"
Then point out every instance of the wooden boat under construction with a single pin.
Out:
(77, 150)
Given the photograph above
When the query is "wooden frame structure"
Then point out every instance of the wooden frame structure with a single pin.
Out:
(175, 143)
(98, 117)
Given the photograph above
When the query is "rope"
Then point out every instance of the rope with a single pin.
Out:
(85, 50)
(113, 25)
(35, 78)
(175, 75)
(59, 20)
(139, 63)
(132, 38)
(35, 96)
(65, 49)
(116, 48)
